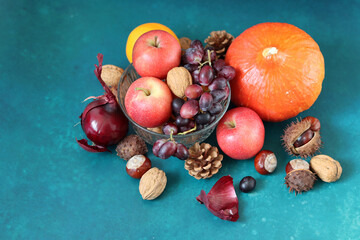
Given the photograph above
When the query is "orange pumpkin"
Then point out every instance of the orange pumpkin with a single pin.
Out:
(279, 70)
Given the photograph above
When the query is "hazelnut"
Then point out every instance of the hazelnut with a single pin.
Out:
(265, 162)
(137, 166)
(327, 169)
(297, 164)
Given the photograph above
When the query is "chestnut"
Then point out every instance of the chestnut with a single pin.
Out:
(265, 162)
(297, 164)
(137, 166)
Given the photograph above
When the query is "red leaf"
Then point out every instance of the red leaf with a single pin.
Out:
(222, 200)
(84, 144)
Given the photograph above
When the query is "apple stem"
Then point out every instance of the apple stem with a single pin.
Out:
(230, 124)
(146, 91)
(156, 43)
(188, 131)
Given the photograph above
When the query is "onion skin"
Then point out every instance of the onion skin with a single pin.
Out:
(221, 200)
(84, 144)
(102, 121)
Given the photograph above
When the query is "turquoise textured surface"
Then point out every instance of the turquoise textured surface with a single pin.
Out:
(53, 189)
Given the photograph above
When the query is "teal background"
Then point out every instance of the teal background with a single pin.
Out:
(50, 188)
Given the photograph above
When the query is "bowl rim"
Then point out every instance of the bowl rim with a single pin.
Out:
(211, 125)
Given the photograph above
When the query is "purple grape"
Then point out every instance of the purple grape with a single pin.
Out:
(182, 152)
(227, 72)
(218, 83)
(188, 127)
(206, 101)
(218, 65)
(193, 56)
(199, 127)
(212, 54)
(180, 122)
(216, 109)
(191, 124)
(183, 60)
(193, 91)
(195, 76)
(218, 95)
(197, 44)
(170, 127)
(157, 145)
(176, 105)
(191, 67)
(206, 75)
(167, 150)
(189, 109)
(203, 118)
(184, 128)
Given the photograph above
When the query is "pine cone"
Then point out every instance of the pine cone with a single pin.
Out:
(204, 161)
(220, 40)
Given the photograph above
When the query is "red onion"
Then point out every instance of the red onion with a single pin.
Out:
(222, 200)
(102, 120)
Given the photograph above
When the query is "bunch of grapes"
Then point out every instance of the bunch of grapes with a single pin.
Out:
(203, 98)
(210, 76)
(165, 148)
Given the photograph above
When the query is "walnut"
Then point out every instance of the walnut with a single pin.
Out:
(178, 79)
(328, 169)
(185, 44)
(157, 129)
(152, 183)
(111, 75)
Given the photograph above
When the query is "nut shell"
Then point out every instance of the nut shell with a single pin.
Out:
(111, 75)
(294, 131)
(327, 169)
(178, 79)
(130, 146)
(185, 43)
(152, 183)
(300, 180)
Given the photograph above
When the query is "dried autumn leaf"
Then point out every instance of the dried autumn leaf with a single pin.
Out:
(221, 200)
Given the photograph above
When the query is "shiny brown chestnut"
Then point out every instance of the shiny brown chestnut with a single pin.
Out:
(137, 166)
(297, 164)
(265, 162)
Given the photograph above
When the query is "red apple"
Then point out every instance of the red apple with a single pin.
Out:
(148, 102)
(155, 53)
(240, 133)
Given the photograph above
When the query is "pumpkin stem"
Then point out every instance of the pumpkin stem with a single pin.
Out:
(269, 51)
